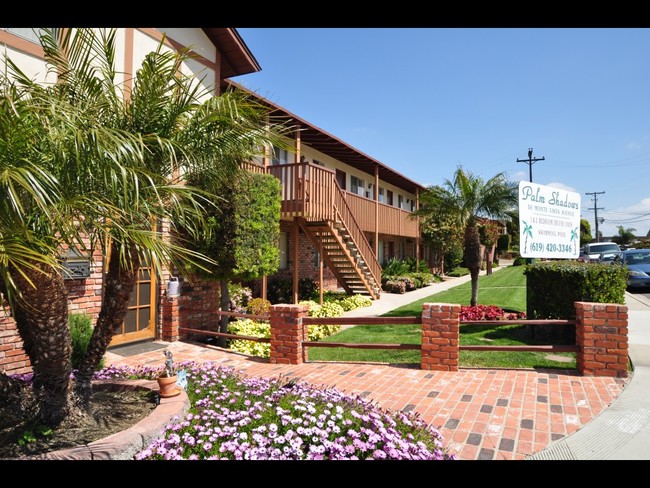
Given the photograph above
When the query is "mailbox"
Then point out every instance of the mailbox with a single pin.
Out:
(75, 266)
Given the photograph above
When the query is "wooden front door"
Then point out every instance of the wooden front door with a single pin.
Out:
(140, 321)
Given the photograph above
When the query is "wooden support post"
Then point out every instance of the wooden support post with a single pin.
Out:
(320, 270)
(376, 212)
(296, 230)
(417, 235)
(264, 286)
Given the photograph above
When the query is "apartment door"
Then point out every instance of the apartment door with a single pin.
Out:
(140, 321)
(389, 197)
(341, 178)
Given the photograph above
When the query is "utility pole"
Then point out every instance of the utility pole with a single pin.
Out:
(530, 162)
(596, 209)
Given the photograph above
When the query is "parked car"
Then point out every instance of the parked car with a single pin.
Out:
(581, 257)
(611, 257)
(638, 267)
(595, 249)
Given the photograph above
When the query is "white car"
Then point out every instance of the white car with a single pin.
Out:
(595, 249)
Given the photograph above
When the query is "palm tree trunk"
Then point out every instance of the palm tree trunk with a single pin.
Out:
(473, 258)
(118, 285)
(225, 305)
(41, 316)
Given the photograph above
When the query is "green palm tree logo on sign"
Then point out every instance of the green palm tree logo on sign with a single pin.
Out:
(574, 235)
(528, 231)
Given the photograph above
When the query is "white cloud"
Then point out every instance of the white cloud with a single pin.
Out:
(562, 186)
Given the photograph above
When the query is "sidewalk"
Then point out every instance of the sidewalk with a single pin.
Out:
(622, 431)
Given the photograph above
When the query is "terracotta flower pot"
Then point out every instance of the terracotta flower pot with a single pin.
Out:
(167, 386)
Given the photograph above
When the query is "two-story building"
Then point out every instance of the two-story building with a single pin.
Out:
(348, 213)
(344, 214)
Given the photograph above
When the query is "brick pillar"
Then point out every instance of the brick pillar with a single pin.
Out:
(13, 358)
(440, 336)
(170, 318)
(287, 334)
(602, 339)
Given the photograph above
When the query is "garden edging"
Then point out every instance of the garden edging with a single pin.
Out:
(126, 444)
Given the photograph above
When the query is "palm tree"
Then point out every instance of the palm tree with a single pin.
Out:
(117, 163)
(625, 236)
(466, 198)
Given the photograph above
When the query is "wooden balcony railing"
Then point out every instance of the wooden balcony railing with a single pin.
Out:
(392, 220)
(309, 191)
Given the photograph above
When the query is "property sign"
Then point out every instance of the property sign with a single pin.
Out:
(549, 222)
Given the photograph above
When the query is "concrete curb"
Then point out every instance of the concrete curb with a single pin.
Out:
(126, 444)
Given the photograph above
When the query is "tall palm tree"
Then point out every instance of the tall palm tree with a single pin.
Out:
(465, 198)
(625, 236)
(117, 163)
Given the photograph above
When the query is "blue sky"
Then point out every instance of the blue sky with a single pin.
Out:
(425, 100)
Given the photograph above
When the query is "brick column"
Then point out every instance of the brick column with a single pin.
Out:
(287, 334)
(13, 358)
(602, 339)
(440, 336)
(170, 319)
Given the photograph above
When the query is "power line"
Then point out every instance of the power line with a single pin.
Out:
(530, 162)
(596, 209)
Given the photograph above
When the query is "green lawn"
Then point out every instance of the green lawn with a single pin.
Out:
(505, 288)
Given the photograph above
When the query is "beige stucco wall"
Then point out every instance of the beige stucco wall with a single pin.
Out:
(143, 43)
(331, 163)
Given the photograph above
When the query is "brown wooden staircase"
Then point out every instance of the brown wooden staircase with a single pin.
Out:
(311, 195)
(342, 256)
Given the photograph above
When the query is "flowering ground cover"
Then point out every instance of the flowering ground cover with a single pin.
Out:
(241, 418)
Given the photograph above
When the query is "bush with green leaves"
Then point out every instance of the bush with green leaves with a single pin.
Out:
(81, 330)
(262, 328)
(280, 290)
(355, 301)
(395, 267)
(327, 309)
(259, 306)
(253, 328)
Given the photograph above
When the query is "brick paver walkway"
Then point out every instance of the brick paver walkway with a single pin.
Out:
(483, 414)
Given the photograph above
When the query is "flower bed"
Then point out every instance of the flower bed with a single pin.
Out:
(236, 417)
(488, 312)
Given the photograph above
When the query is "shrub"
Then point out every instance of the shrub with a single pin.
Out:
(354, 302)
(395, 267)
(453, 257)
(262, 328)
(458, 272)
(81, 330)
(259, 306)
(395, 286)
(239, 297)
(519, 261)
(280, 290)
(252, 328)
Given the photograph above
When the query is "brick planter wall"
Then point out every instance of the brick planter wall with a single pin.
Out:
(440, 336)
(602, 339)
(287, 334)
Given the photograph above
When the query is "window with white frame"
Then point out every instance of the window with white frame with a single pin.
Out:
(382, 198)
(357, 186)
(400, 202)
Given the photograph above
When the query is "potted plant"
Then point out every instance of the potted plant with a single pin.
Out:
(168, 377)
